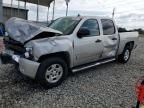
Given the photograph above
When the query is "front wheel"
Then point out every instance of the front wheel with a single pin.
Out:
(52, 72)
(125, 56)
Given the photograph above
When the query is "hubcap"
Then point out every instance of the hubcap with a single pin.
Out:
(53, 73)
(126, 55)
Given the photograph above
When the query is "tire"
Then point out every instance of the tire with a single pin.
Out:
(125, 56)
(52, 72)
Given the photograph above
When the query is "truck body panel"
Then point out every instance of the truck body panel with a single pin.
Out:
(38, 43)
(51, 45)
(127, 37)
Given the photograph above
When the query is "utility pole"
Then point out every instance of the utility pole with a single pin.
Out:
(67, 4)
(48, 14)
(18, 8)
(37, 19)
(11, 8)
(25, 3)
(53, 10)
(67, 10)
(113, 14)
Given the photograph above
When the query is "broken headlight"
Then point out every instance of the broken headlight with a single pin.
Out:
(28, 53)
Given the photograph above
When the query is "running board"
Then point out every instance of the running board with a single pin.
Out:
(92, 65)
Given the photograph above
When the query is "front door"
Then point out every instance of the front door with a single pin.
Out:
(110, 38)
(88, 48)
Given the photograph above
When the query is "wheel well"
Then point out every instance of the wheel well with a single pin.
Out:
(64, 55)
(130, 45)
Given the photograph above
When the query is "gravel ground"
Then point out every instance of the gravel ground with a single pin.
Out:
(106, 86)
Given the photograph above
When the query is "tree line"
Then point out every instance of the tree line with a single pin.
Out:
(140, 30)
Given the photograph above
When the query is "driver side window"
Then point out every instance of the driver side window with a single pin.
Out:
(93, 27)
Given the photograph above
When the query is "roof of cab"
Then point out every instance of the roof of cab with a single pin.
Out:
(83, 17)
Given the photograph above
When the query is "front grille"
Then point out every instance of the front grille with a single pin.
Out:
(13, 45)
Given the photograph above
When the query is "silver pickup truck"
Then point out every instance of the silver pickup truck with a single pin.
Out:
(69, 44)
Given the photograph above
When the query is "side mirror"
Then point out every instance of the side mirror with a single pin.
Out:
(83, 32)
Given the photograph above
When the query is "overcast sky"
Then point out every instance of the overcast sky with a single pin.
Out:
(129, 13)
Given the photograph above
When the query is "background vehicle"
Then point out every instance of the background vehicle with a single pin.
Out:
(2, 33)
(69, 43)
(2, 29)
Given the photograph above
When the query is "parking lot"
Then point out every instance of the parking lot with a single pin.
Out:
(108, 86)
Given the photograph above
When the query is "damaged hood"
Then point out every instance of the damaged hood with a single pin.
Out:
(22, 30)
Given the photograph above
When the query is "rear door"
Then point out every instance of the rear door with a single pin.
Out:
(89, 48)
(110, 38)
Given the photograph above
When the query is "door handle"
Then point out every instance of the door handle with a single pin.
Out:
(98, 41)
(114, 38)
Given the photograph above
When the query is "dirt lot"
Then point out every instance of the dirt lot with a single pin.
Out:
(107, 86)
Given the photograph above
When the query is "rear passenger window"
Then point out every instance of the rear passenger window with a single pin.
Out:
(93, 26)
(108, 27)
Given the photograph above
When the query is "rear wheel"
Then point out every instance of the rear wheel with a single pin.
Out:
(125, 56)
(52, 72)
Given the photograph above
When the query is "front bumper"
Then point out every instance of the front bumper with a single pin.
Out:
(27, 67)
(9, 58)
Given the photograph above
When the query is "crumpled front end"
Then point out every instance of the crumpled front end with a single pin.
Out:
(20, 33)
(27, 67)
(22, 30)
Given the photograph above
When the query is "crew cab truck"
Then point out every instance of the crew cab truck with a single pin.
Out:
(69, 44)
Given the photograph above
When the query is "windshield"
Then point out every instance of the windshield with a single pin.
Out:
(65, 25)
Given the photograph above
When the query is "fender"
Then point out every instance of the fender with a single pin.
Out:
(51, 46)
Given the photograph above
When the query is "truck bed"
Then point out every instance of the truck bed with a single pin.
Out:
(126, 37)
